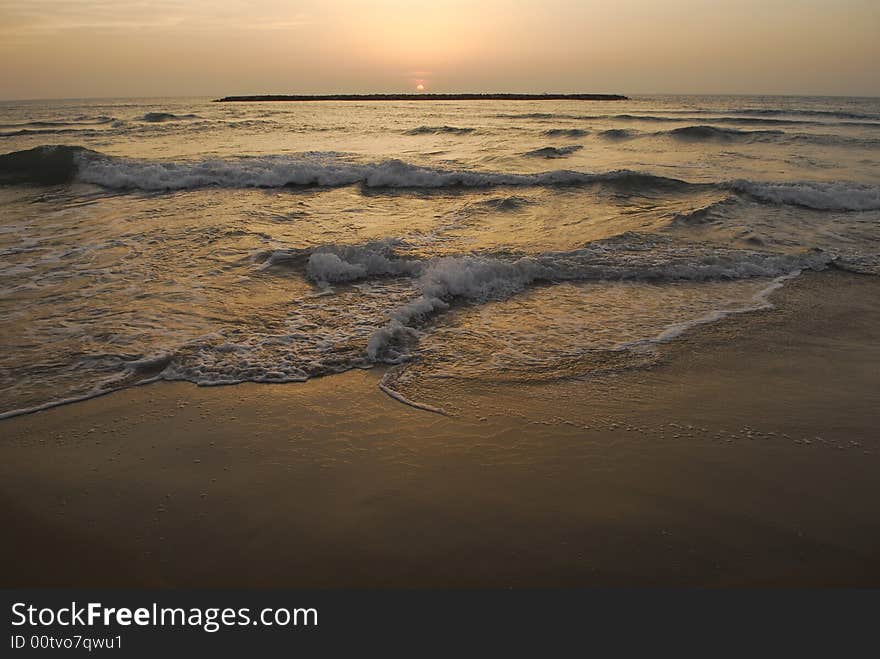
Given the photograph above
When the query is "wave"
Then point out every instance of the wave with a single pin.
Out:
(819, 195)
(771, 112)
(661, 117)
(702, 214)
(330, 264)
(81, 125)
(758, 116)
(627, 257)
(439, 130)
(707, 133)
(440, 282)
(536, 115)
(158, 117)
(553, 152)
(837, 114)
(618, 134)
(835, 140)
(504, 204)
(302, 349)
(276, 171)
(649, 118)
(763, 121)
(713, 133)
(50, 131)
(566, 132)
(76, 121)
(335, 264)
(389, 331)
(715, 117)
(443, 280)
(59, 164)
(636, 117)
(45, 165)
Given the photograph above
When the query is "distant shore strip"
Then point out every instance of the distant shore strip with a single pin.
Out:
(423, 97)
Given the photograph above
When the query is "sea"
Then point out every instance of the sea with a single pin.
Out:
(184, 239)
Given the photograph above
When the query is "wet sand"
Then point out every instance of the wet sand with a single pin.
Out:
(747, 455)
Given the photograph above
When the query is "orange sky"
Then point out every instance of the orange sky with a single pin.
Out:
(70, 48)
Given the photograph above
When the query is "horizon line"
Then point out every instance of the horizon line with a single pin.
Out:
(537, 96)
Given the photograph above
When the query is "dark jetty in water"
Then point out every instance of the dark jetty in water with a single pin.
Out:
(425, 97)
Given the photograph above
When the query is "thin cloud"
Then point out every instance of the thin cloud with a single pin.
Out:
(42, 18)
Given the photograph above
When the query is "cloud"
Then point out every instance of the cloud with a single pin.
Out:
(33, 19)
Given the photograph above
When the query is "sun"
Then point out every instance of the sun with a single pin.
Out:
(420, 87)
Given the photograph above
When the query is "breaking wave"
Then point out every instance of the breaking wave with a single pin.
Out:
(368, 333)
(443, 280)
(57, 164)
(60, 164)
(825, 196)
(330, 264)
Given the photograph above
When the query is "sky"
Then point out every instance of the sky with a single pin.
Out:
(140, 48)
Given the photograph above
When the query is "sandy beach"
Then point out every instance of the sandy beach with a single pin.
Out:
(744, 456)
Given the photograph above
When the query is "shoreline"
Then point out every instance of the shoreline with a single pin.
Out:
(759, 303)
(744, 455)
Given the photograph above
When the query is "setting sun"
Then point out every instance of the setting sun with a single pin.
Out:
(420, 87)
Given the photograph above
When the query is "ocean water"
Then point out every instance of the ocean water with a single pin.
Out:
(216, 243)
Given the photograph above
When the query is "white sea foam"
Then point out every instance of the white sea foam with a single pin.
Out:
(331, 171)
(759, 302)
(827, 196)
(318, 169)
(383, 385)
(483, 278)
(332, 264)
